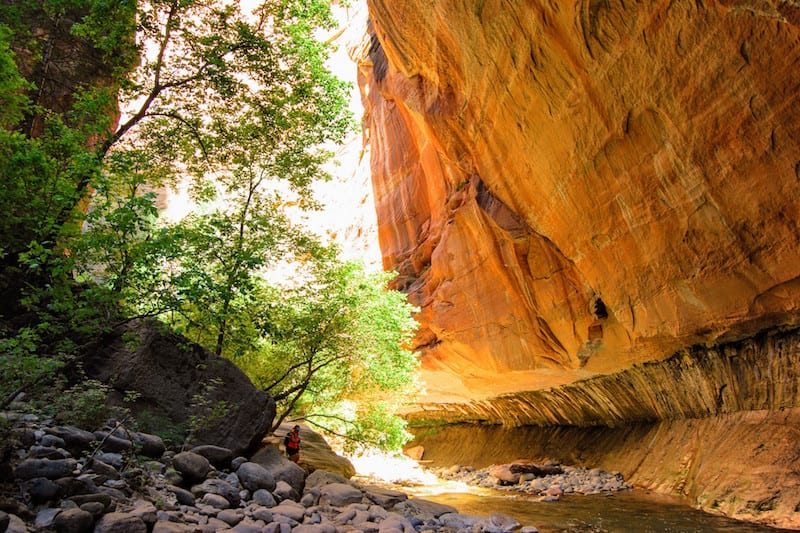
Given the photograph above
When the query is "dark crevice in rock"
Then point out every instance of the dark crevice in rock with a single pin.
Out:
(502, 214)
(380, 65)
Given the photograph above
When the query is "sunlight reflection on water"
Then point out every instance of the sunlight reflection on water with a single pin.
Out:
(633, 511)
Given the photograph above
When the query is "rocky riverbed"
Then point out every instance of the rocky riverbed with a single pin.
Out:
(548, 481)
(64, 479)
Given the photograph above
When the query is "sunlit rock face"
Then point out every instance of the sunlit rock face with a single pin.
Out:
(569, 189)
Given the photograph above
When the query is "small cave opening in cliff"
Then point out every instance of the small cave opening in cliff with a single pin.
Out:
(599, 309)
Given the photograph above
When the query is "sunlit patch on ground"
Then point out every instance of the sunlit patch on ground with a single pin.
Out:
(401, 471)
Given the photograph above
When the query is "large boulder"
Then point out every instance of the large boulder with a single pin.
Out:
(253, 476)
(192, 466)
(316, 454)
(282, 469)
(177, 380)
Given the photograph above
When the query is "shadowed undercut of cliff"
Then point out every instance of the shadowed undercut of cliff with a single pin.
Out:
(571, 191)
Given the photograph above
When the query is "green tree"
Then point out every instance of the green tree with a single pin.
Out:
(217, 94)
(241, 102)
(334, 351)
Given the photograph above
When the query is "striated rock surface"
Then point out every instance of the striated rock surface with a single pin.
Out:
(757, 374)
(571, 189)
(743, 465)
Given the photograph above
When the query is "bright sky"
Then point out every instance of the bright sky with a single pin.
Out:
(349, 216)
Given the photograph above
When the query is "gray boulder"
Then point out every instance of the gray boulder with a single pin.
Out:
(120, 523)
(264, 498)
(193, 467)
(41, 490)
(280, 467)
(215, 500)
(231, 516)
(183, 496)
(289, 509)
(458, 521)
(498, 523)
(44, 518)
(253, 476)
(217, 455)
(15, 525)
(47, 452)
(284, 491)
(103, 499)
(220, 487)
(113, 443)
(320, 478)
(386, 498)
(172, 527)
(50, 469)
(73, 521)
(339, 495)
(149, 445)
(75, 439)
(169, 372)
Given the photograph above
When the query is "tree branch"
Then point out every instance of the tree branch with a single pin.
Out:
(332, 432)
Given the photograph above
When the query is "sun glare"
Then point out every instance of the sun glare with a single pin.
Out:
(396, 469)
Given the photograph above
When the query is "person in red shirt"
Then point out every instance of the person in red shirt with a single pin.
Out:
(292, 443)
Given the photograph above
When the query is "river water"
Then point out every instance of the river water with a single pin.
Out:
(628, 511)
(631, 511)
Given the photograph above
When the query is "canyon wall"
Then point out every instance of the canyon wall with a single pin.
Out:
(571, 189)
(689, 459)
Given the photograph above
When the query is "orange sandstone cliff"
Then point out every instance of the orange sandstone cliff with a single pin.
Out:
(570, 190)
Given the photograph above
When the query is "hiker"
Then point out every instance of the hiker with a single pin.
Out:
(292, 443)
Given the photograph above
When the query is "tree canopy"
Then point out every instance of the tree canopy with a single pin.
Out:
(337, 336)
(241, 104)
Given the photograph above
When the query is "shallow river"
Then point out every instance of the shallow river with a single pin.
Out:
(624, 512)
